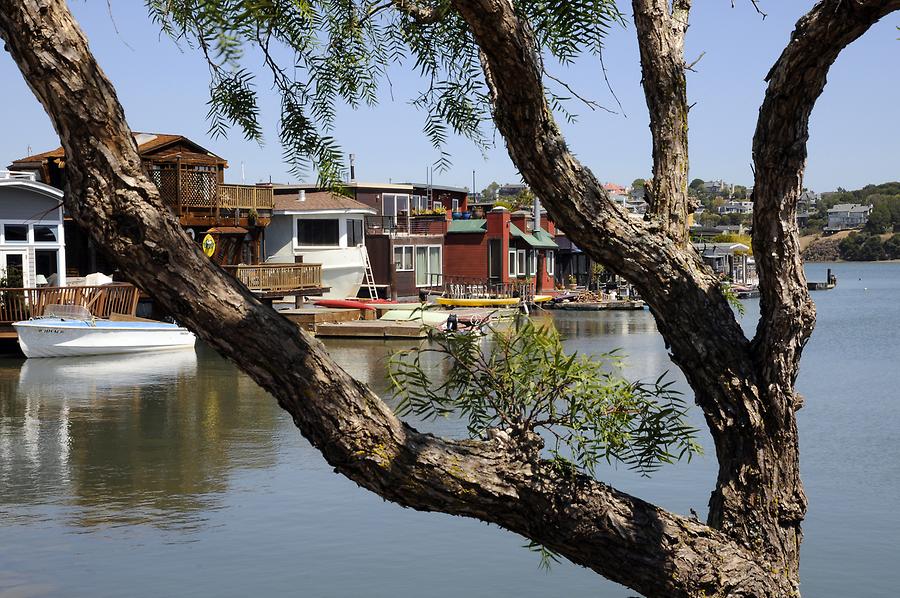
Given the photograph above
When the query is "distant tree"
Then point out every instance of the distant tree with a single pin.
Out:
(879, 220)
(696, 184)
(638, 183)
(740, 192)
(892, 247)
(490, 192)
(709, 219)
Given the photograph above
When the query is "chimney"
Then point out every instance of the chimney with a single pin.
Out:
(536, 209)
(302, 194)
(352, 167)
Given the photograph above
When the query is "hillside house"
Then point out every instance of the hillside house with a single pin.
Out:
(845, 216)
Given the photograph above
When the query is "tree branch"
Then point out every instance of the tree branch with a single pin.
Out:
(628, 540)
(779, 160)
(660, 36)
(422, 14)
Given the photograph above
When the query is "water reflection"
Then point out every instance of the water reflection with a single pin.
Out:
(128, 439)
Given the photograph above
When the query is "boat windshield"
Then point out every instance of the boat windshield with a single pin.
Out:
(68, 312)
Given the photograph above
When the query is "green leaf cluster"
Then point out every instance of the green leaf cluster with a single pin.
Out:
(321, 53)
(519, 379)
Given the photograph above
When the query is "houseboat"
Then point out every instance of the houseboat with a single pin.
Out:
(320, 227)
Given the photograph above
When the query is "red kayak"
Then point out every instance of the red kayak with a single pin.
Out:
(344, 303)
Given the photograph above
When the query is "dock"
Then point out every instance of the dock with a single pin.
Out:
(310, 318)
(373, 329)
(601, 306)
(830, 283)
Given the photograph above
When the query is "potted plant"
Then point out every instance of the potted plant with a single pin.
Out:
(252, 217)
(573, 282)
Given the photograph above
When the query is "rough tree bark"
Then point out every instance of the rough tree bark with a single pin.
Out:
(749, 547)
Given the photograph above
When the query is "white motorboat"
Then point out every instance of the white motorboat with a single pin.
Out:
(68, 331)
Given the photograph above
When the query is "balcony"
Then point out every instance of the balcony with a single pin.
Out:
(421, 225)
(280, 280)
(192, 190)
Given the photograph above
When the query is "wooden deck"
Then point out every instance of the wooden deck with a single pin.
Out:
(280, 280)
(373, 329)
(310, 318)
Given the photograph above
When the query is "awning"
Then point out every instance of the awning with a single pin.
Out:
(227, 230)
(540, 239)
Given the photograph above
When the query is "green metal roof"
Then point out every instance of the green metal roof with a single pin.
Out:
(545, 239)
(477, 225)
(541, 239)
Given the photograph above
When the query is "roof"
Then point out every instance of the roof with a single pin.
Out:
(146, 142)
(319, 201)
(849, 207)
(475, 225)
(540, 239)
(23, 180)
(711, 249)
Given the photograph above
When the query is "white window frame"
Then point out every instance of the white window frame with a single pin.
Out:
(428, 249)
(29, 235)
(550, 262)
(342, 232)
(397, 197)
(521, 262)
(454, 203)
(533, 262)
(404, 250)
(511, 268)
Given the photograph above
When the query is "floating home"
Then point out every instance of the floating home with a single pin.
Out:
(228, 220)
(32, 237)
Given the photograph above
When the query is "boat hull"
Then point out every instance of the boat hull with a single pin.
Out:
(66, 339)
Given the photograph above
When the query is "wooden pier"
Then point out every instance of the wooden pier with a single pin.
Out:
(601, 306)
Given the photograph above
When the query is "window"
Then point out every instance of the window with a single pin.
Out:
(428, 265)
(521, 262)
(550, 262)
(437, 205)
(512, 262)
(16, 233)
(45, 234)
(45, 261)
(393, 204)
(318, 233)
(403, 258)
(454, 203)
(354, 232)
(533, 260)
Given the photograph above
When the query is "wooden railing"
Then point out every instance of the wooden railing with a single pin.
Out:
(246, 197)
(462, 287)
(270, 278)
(200, 189)
(22, 303)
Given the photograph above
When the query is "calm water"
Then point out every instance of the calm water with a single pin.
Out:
(174, 474)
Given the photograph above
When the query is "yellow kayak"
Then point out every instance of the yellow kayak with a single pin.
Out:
(488, 302)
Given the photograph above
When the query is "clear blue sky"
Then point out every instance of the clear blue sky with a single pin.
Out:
(854, 130)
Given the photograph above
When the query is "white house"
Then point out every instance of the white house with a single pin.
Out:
(848, 215)
(321, 228)
(736, 207)
(32, 244)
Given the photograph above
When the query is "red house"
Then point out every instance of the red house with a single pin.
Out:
(501, 249)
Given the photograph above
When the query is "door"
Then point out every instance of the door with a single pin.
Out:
(12, 268)
(495, 263)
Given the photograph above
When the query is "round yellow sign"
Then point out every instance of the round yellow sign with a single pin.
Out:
(208, 245)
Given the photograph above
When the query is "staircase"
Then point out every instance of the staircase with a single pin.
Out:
(370, 277)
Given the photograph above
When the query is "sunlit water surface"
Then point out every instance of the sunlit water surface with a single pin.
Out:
(174, 474)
